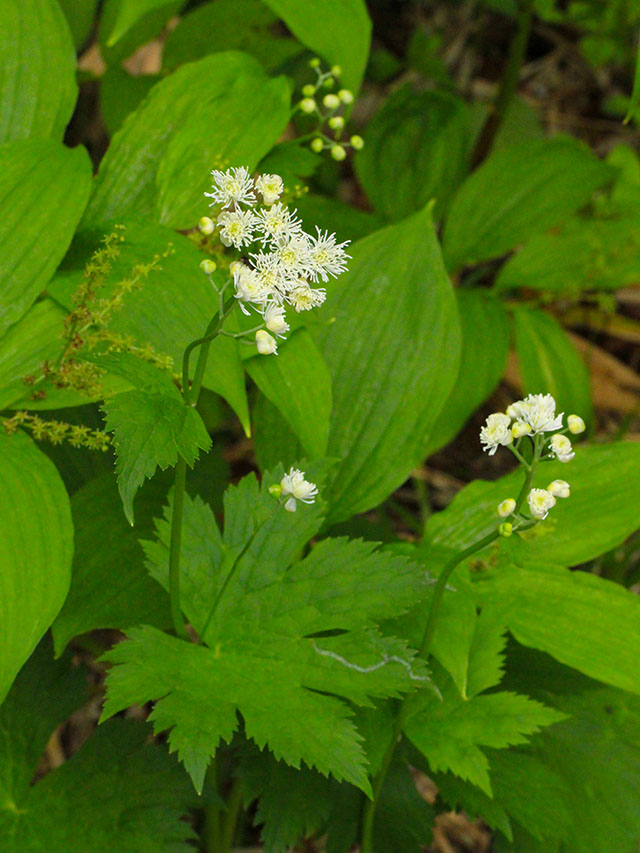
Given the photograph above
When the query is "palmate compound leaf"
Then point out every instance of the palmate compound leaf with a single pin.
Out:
(450, 732)
(115, 794)
(152, 427)
(284, 648)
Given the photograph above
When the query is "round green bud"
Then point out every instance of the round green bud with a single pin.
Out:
(357, 142)
(336, 70)
(315, 62)
(338, 152)
(331, 102)
(505, 529)
(308, 105)
(275, 490)
(336, 123)
(329, 83)
(208, 266)
(309, 90)
(206, 226)
(316, 145)
(346, 96)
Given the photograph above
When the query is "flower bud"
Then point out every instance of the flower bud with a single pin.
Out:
(265, 343)
(346, 96)
(315, 62)
(309, 90)
(520, 428)
(328, 83)
(275, 490)
(317, 145)
(275, 320)
(559, 489)
(308, 105)
(206, 226)
(576, 424)
(331, 102)
(540, 502)
(561, 448)
(336, 123)
(291, 505)
(208, 266)
(336, 70)
(506, 507)
(338, 152)
(505, 529)
(357, 142)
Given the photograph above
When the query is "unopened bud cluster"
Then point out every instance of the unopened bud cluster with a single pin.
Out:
(57, 432)
(325, 107)
(281, 263)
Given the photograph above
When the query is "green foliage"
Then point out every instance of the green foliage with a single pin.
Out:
(117, 791)
(34, 102)
(261, 648)
(35, 560)
(487, 218)
(549, 364)
(44, 188)
(396, 292)
(223, 108)
(130, 11)
(429, 134)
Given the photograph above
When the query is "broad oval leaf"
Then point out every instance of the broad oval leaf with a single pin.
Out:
(159, 167)
(36, 532)
(516, 193)
(391, 339)
(44, 189)
(339, 30)
(37, 71)
(427, 133)
(549, 363)
(129, 12)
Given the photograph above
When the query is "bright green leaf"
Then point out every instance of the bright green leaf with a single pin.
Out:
(391, 340)
(35, 561)
(516, 193)
(44, 189)
(331, 214)
(130, 11)
(550, 364)
(122, 93)
(339, 30)
(37, 73)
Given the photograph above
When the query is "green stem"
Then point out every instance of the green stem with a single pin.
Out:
(234, 804)
(509, 84)
(174, 550)
(211, 831)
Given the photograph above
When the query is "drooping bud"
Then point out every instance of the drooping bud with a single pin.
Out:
(208, 266)
(561, 448)
(576, 424)
(266, 343)
(206, 226)
(559, 489)
(506, 507)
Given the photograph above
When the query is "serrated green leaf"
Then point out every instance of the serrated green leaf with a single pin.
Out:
(151, 430)
(416, 149)
(35, 562)
(172, 308)
(485, 344)
(582, 620)
(222, 107)
(549, 363)
(245, 25)
(517, 193)
(486, 654)
(110, 587)
(34, 235)
(600, 514)
(298, 382)
(396, 328)
(450, 731)
(255, 623)
(33, 101)
(339, 30)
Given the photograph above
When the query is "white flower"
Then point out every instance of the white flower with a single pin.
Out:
(495, 432)
(249, 286)
(270, 187)
(274, 318)
(294, 484)
(576, 424)
(538, 411)
(293, 256)
(559, 489)
(540, 502)
(278, 223)
(265, 343)
(326, 257)
(236, 227)
(304, 298)
(561, 448)
(234, 186)
(506, 507)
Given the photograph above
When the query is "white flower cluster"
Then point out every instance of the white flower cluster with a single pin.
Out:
(294, 488)
(282, 261)
(533, 416)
